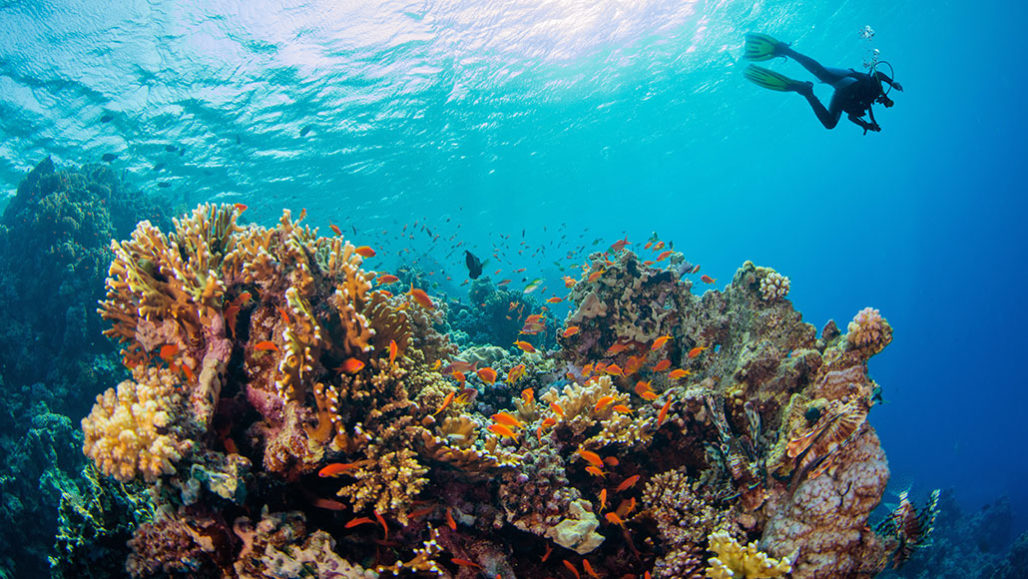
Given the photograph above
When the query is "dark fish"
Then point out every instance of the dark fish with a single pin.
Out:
(106, 119)
(474, 264)
(158, 166)
(163, 184)
(108, 157)
(238, 139)
(181, 152)
(170, 148)
(306, 129)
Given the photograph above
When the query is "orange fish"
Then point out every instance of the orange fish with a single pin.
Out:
(240, 207)
(525, 346)
(503, 282)
(365, 251)
(616, 349)
(446, 402)
(622, 409)
(393, 349)
(627, 483)
(437, 364)
(337, 468)
(662, 365)
(707, 279)
(650, 396)
(620, 244)
(265, 346)
(507, 420)
(501, 430)
(421, 297)
(168, 351)
(556, 408)
(188, 372)
(659, 342)
(595, 471)
(358, 521)
(590, 457)
(571, 568)
(697, 351)
(554, 300)
(614, 370)
(351, 366)
(611, 461)
(589, 569)
(641, 387)
(465, 563)
(587, 369)
(634, 364)
(459, 377)
(570, 331)
(663, 412)
(487, 375)
(625, 507)
(284, 314)
(386, 279)
(602, 403)
(527, 395)
(595, 275)
(664, 255)
(546, 555)
(678, 373)
(385, 528)
(335, 228)
(569, 282)
(614, 519)
(658, 246)
(603, 499)
(450, 522)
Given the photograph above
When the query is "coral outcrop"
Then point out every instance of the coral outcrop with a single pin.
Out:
(271, 374)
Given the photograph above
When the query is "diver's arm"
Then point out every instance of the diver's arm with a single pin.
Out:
(872, 126)
(882, 77)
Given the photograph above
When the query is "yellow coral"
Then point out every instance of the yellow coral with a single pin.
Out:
(130, 432)
(734, 560)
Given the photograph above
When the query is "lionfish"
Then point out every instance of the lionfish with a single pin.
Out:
(912, 528)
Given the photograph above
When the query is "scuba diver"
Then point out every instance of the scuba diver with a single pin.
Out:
(855, 92)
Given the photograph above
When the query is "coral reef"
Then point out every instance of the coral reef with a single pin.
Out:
(54, 237)
(273, 376)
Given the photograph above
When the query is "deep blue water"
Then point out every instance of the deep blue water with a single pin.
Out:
(596, 120)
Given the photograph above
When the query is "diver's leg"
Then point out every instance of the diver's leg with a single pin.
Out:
(829, 117)
(828, 75)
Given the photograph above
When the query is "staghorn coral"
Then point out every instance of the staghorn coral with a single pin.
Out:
(135, 430)
(734, 560)
(868, 332)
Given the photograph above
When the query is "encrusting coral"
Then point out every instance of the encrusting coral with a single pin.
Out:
(270, 355)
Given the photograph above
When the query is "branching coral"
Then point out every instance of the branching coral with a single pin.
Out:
(773, 285)
(734, 560)
(135, 430)
(868, 333)
(684, 518)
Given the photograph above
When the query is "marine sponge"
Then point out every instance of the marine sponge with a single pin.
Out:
(131, 432)
(774, 286)
(734, 560)
(869, 332)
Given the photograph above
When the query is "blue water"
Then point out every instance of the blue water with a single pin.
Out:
(595, 119)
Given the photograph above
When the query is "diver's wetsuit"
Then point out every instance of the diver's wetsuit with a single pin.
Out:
(855, 92)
